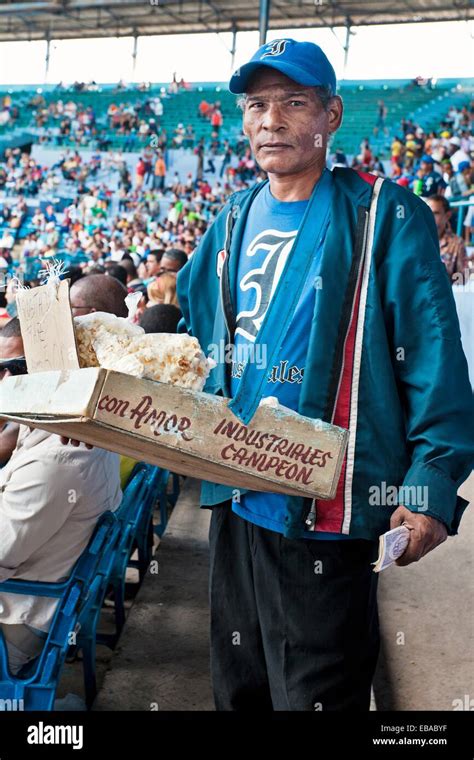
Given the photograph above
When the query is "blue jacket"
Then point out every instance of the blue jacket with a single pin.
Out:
(384, 361)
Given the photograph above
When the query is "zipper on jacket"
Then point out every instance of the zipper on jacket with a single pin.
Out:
(226, 307)
(310, 520)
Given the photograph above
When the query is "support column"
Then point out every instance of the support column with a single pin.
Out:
(134, 54)
(233, 48)
(47, 57)
(263, 16)
(346, 46)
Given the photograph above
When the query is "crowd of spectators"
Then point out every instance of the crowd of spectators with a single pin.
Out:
(152, 211)
(437, 165)
(134, 119)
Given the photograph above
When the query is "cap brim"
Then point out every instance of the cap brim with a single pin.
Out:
(240, 80)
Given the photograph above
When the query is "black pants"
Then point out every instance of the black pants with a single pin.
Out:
(294, 623)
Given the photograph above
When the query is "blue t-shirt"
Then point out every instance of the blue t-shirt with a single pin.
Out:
(270, 232)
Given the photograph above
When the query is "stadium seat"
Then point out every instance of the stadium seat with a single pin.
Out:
(81, 592)
(101, 567)
(145, 528)
(145, 486)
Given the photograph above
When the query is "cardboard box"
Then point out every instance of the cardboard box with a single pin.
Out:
(185, 431)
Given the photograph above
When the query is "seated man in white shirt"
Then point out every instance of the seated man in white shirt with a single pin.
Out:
(51, 497)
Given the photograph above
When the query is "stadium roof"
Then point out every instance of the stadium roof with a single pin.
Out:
(66, 19)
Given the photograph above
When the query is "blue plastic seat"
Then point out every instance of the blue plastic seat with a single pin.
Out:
(101, 567)
(81, 592)
(146, 484)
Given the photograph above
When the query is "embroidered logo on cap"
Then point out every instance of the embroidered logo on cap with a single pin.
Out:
(277, 47)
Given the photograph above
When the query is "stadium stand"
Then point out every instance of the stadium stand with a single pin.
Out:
(401, 98)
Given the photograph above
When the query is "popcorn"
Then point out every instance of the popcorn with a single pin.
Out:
(114, 343)
(100, 332)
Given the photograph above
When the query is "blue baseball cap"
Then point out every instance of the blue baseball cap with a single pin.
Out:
(304, 62)
(427, 159)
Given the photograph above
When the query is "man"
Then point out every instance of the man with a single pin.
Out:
(451, 246)
(461, 183)
(148, 156)
(455, 152)
(159, 173)
(47, 516)
(98, 293)
(381, 116)
(411, 146)
(7, 241)
(217, 119)
(337, 276)
(140, 171)
(397, 151)
(49, 214)
(112, 269)
(426, 181)
(172, 261)
(133, 279)
(162, 318)
(153, 261)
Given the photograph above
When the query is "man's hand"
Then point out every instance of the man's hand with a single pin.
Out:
(426, 533)
(74, 442)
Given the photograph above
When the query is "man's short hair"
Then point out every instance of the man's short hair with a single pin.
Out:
(162, 318)
(12, 329)
(324, 93)
(129, 266)
(115, 270)
(176, 254)
(440, 199)
(73, 274)
(157, 253)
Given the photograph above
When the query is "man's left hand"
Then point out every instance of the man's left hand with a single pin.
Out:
(426, 533)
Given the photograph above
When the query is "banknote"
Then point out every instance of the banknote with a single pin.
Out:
(391, 546)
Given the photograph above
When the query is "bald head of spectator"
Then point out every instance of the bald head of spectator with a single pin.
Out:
(98, 293)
